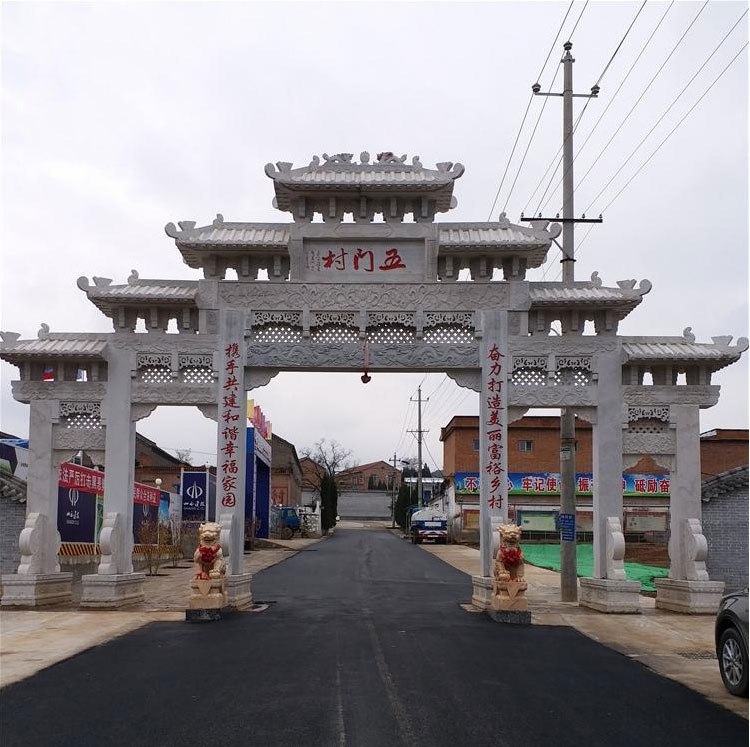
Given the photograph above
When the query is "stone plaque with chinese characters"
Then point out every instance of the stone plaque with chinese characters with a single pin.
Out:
(363, 261)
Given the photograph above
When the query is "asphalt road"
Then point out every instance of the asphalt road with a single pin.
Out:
(364, 644)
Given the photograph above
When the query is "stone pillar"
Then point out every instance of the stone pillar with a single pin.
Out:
(39, 580)
(231, 452)
(493, 454)
(688, 588)
(115, 584)
(608, 590)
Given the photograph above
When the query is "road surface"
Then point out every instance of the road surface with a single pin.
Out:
(364, 643)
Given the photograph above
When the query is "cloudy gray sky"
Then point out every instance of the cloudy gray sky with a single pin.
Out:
(118, 118)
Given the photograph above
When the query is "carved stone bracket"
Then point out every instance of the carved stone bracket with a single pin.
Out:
(516, 413)
(140, 411)
(469, 379)
(615, 549)
(696, 550)
(209, 411)
(257, 377)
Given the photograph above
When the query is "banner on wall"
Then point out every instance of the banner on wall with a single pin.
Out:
(77, 491)
(548, 483)
(145, 506)
(193, 491)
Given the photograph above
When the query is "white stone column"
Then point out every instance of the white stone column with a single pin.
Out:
(688, 588)
(608, 590)
(115, 584)
(493, 453)
(39, 580)
(231, 452)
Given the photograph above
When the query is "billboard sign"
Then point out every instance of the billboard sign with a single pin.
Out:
(77, 491)
(194, 486)
(145, 506)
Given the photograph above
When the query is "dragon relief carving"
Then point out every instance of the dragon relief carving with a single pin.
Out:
(78, 438)
(25, 391)
(552, 396)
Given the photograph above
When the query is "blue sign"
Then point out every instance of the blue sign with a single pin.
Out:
(194, 486)
(76, 515)
(163, 507)
(567, 524)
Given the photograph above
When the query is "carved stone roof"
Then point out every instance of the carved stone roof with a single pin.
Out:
(13, 488)
(684, 350)
(52, 347)
(141, 292)
(727, 482)
(622, 299)
(387, 174)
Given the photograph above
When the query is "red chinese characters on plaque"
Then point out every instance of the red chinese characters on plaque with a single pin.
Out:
(229, 424)
(493, 428)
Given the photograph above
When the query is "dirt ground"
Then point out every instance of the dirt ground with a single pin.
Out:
(647, 553)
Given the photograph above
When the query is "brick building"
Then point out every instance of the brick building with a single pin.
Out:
(286, 473)
(362, 476)
(534, 462)
(152, 462)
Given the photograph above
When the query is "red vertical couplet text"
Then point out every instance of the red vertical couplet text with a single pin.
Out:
(229, 425)
(493, 428)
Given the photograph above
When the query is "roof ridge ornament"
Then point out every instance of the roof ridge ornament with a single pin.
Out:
(218, 221)
(83, 283)
(101, 282)
(43, 332)
(596, 281)
(687, 333)
(133, 277)
(9, 336)
(502, 220)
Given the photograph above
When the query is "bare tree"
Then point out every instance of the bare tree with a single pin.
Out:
(330, 457)
(184, 455)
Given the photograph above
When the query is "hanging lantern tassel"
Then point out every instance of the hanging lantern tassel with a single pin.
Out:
(365, 363)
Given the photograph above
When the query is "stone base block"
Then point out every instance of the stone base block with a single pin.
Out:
(239, 590)
(690, 597)
(514, 617)
(481, 594)
(207, 615)
(610, 595)
(109, 591)
(36, 590)
(207, 594)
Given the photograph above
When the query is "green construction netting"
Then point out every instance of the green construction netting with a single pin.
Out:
(548, 556)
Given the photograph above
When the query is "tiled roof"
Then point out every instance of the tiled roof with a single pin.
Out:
(490, 235)
(52, 347)
(172, 293)
(219, 233)
(717, 354)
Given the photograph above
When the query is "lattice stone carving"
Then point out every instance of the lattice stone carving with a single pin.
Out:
(391, 334)
(197, 375)
(277, 333)
(337, 318)
(291, 318)
(648, 425)
(651, 413)
(82, 421)
(462, 318)
(582, 362)
(405, 318)
(150, 360)
(196, 360)
(573, 377)
(448, 334)
(334, 333)
(530, 361)
(155, 374)
(529, 377)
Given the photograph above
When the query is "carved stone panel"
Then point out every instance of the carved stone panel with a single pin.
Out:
(77, 438)
(552, 396)
(657, 412)
(648, 443)
(173, 394)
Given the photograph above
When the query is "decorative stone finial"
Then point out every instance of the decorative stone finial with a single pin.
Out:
(9, 336)
(338, 158)
(133, 278)
(503, 221)
(83, 283)
(687, 333)
(626, 284)
(596, 281)
(416, 163)
(364, 157)
(722, 340)
(43, 331)
(218, 221)
(101, 282)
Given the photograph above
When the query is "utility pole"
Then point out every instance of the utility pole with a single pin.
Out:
(419, 433)
(393, 493)
(568, 575)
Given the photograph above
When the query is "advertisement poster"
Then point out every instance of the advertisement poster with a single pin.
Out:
(164, 500)
(14, 457)
(145, 507)
(194, 496)
(77, 492)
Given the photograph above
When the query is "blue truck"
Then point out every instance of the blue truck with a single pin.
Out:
(428, 524)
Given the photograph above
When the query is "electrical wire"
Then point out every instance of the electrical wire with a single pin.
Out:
(671, 132)
(643, 93)
(528, 106)
(541, 206)
(666, 111)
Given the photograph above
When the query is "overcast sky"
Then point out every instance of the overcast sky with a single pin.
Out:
(118, 118)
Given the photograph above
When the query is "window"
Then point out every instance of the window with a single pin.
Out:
(476, 444)
(526, 446)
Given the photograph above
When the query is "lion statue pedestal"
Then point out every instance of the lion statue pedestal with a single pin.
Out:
(509, 602)
(208, 595)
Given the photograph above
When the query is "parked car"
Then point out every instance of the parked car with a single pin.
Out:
(731, 642)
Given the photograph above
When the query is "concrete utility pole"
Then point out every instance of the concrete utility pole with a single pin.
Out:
(419, 433)
(568, 575)
(393, 493)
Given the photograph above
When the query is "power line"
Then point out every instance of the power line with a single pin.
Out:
(525, 114)
(666, 111)
(640, 98)
(575, 127)
(541, 112)
(672, 131)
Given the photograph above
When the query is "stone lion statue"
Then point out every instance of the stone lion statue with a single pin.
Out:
(208, 557)
(509, 585)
